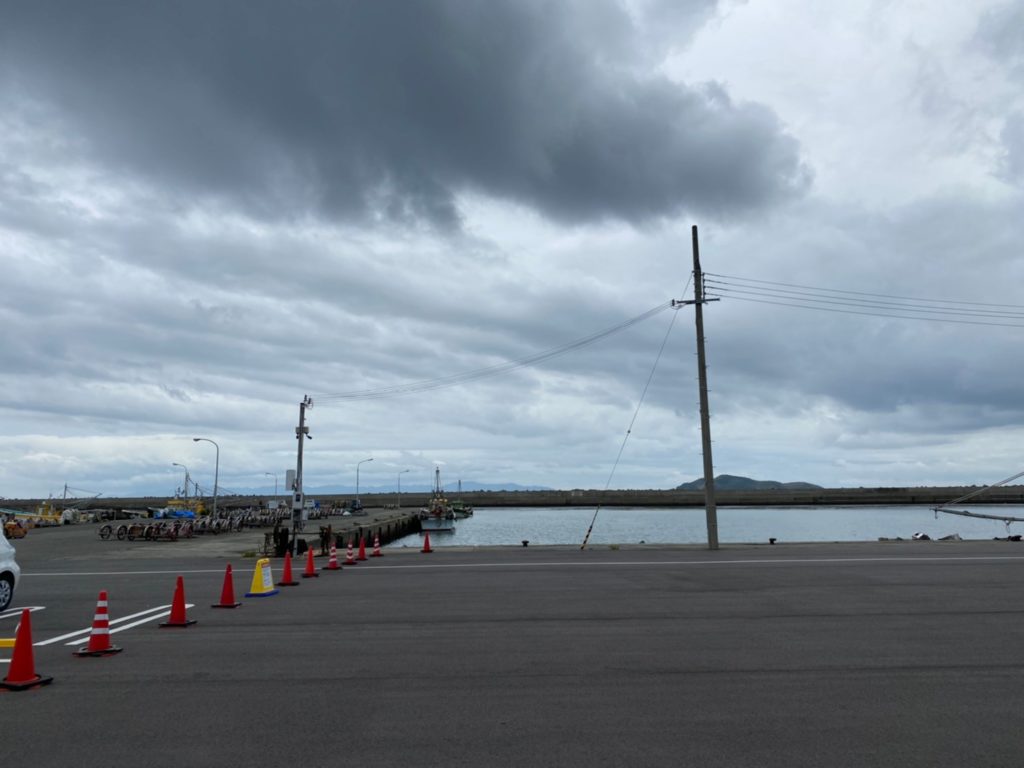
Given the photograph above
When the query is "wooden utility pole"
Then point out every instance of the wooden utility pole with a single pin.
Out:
(711, 512)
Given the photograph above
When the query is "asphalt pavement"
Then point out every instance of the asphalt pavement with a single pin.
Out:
(869, 654)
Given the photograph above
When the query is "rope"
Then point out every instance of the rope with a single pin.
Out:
(494, 370)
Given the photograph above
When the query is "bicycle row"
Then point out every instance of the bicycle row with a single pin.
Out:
(169, 530)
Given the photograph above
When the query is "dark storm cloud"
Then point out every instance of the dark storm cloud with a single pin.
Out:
(390, 109)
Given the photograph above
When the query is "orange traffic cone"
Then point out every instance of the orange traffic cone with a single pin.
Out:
(22, 674)
(362, 548)
(376, 546)
(332, 564)
(350, 558)
(310, 572)
(426, 544)
(99, 638)
(177, 617)
(227, 592)
(286, 577)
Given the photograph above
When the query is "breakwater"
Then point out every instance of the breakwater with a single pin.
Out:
(1013, 494)
(1008, 494)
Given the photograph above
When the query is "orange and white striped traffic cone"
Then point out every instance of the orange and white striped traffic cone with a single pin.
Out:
(350, 558)
(376, 546)
(332, 563)
(99, 637)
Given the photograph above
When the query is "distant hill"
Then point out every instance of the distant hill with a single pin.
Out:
(737, 483)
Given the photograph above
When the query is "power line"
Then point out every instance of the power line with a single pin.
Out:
(858, 293)
(824, 298)
(494, 370)
(629, 429)
(863, 303)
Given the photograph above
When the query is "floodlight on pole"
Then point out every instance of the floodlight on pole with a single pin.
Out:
(216, 470)
(176, 464)
(357, 475)
(400, 486)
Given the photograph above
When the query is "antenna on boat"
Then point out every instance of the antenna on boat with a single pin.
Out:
(711, 512)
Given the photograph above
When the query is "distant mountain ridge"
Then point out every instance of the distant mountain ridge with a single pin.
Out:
(738, 483)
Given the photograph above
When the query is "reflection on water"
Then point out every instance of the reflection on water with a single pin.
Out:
(738, 525)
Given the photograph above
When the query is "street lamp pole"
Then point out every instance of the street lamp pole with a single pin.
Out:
(357, 475)
(216, 470)
(176, 464)
(400, 487)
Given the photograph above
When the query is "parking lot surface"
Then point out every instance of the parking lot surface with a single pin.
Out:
(827, 655)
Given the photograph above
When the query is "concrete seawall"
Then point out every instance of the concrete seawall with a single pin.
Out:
(1011, 494)
(816, 497)
(589, 498)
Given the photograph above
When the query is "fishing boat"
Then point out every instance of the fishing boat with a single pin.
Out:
(461, 509)
(438, 515)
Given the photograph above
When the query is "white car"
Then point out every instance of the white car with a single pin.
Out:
(9, 573)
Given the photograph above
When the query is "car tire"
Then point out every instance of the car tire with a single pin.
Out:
(6, 591)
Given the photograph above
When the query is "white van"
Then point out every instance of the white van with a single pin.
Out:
(9, 573)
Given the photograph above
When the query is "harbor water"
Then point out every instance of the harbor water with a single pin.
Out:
(736, 525)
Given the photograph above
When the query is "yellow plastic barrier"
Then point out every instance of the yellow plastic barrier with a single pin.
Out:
(262, 580)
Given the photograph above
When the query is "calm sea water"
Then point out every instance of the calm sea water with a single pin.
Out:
(737, 525)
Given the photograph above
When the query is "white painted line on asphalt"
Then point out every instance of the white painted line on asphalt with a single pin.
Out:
(15, 613)
(591, 564)
(150, 614)
(133, 624)
(119, 573)
(87, 630)
(764, 561)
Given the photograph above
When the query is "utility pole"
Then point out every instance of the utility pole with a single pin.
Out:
(711, 512)
(301, 431)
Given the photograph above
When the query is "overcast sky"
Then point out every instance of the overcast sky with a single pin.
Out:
(209, 210)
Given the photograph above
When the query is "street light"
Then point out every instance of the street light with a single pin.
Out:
(400, 487)
(357, 476)
(176, 464)
(271, 474)
(216, 470)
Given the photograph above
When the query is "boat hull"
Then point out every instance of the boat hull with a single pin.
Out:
(436, 524)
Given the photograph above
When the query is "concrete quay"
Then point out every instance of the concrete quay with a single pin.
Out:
(840, 655)
(386, 523)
